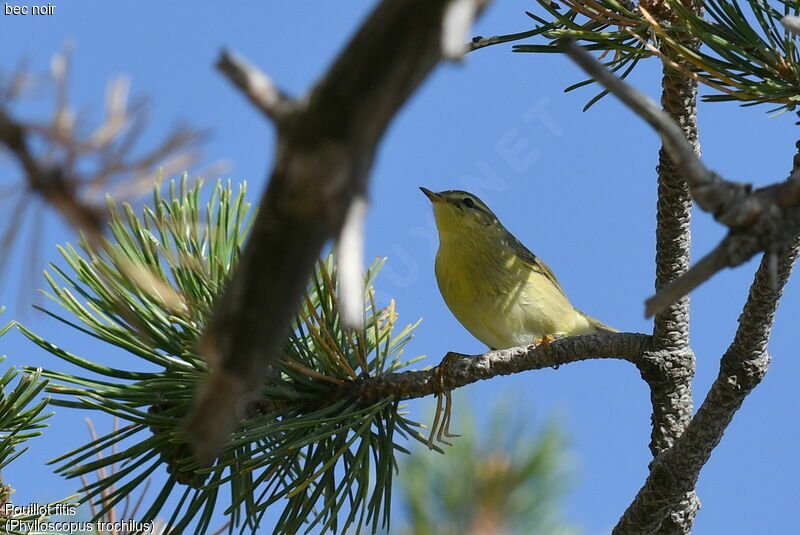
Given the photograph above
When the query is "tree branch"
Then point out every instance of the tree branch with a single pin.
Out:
(674, 208)
(708, 266)
(681, 151)
(326, 145)
(766, 219)
(256, 85)
(457, 370)
(675, 472)
(479, 41)
(456, 27)
(68, 168)
(671, 388)
(49, 181)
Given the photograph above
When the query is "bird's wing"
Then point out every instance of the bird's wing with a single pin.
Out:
(532, 260)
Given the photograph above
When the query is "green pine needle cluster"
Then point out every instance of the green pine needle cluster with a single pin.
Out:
(615, 28)
(21, 414)
(747, 55)
(504, 477)
(21, 418)
(307, 446)
(744, 55)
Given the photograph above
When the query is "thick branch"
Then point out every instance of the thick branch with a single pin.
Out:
(671, 391)
(326, 145)
(674, 210)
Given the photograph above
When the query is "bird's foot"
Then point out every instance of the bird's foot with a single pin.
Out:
(544, 340)
(440, 430)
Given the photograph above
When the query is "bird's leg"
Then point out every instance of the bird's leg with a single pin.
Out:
(544, 341)
(448, 397)
(441, 420)
(435, 424)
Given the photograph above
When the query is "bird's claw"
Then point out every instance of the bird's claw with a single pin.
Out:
(441, 421)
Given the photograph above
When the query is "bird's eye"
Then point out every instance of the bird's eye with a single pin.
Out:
(469, 203)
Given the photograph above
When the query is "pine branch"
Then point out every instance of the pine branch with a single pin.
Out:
(309, 450)
(674, 472)
(71, 168)
(326, 146)
(745, 56)
(22, 417)
(503, 476)
(671, 390)
(674, 208)
(457, 370)
(765, 219)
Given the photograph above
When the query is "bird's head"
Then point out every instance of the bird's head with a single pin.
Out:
(458, 212)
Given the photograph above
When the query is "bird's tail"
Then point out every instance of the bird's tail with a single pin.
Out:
(600, 327)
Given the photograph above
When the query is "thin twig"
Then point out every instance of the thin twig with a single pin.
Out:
(257, 86)
(763, 220)
(675, 142)
(350, 264)
(69, 170)
(479, 42)
(456, 26)
(707, 267)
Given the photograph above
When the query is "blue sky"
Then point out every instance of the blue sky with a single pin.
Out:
(577, 188)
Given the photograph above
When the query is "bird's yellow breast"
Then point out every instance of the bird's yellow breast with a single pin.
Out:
(500, 298)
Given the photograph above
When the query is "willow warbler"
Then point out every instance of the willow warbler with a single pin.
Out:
(500, 291)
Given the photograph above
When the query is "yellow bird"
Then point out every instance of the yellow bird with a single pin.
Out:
(500, 291)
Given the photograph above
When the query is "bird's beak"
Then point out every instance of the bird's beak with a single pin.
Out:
(434, 197)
